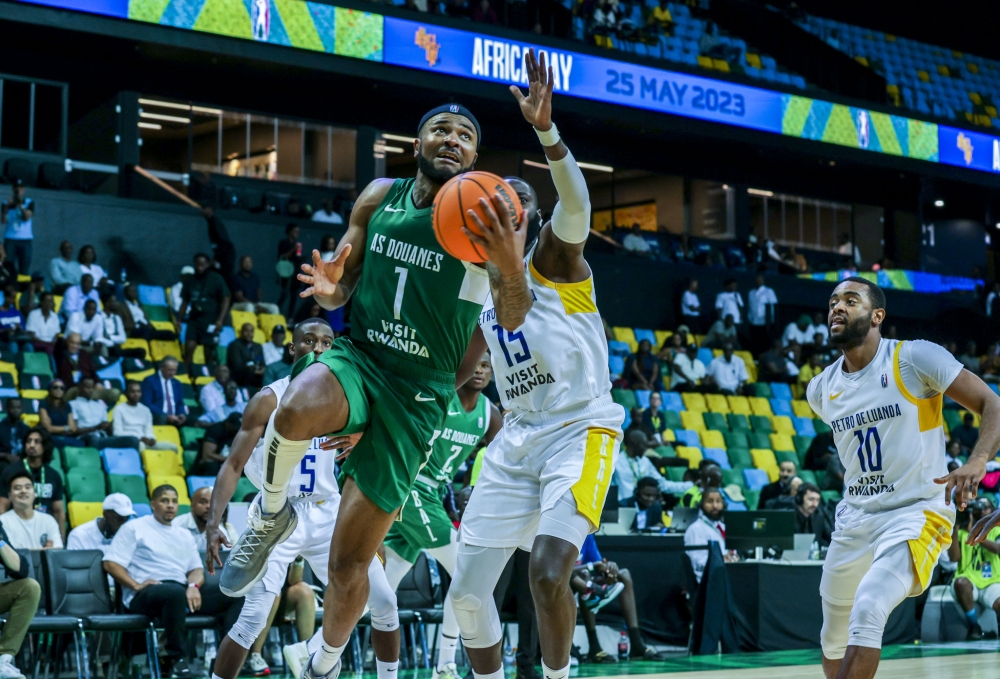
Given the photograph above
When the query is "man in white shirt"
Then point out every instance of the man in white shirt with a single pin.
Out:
(819, 327)
(708, 528)
(213, 394)
(728, 372)
(231, 405)
(762, 306)
(89, 324)
(135, 420)
(276, 348)
(635, 243)
(77, 295)
(27, 528)
(801, 332)
(634, 465)
(91, 415)
(686, 370)
(177, 288)
(43, 323)
(691, 306)
(327, 215)
(730, 302)
(196, 520)
(98, 533)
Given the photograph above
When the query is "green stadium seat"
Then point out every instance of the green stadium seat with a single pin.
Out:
(666, 451)
(57, 459)
(820, 478)
(183, 509)
(156, 313)
(676, 473)
(752, 498)
(831, 496)
(716, 421)
(190, 436)
(738, 422)
(786, 456)
(189, 457)
(739, 458)
(132, 486)
(821, 426)
(762, 390)
(761, 424)
(802, 444)
(952, 418)
(759, 440)
(807, 476)
(733, 476)
(86, 484)
(36, 363)
(625, 398)
(243, 488)
(736, 439)
(81, 457)
(672, 418)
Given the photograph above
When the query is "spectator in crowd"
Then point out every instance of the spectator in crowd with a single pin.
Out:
(73, 364)
(289, 260)
(814, 366)
(796, 261)
(25, 526)
(484, 14)
(43, 324)
(245, 358)
(196, 520)
(966, 434)
(328, 248)
(275, 349)
(774, 365)
(691, 306)
(279, 369)
(708, 528)
(687, 370)
(729, 302)
(88, 265)
(786, 500)
(31, 297)
(11, 321)
(8, 272)
(19, 597)
(819, 452)
(204, 305)
(643, 370)
(762, 305)
(727, 373)
(77, 295)
(215, 446)
(847, 249)
(37, 451)
(819, 327)
(157, 567)
(635, 243)
(17, 215)
(970, 358)
(98, 533)
(93, 425)
(177, 289)
(12, 431)
(114, 327)
(953, 452)
(223, 250)
(64, 271)
(646, 499)
(213, 394)
(326, 214)
(722, 332)
(163, 395)
(800, 332)
(653, 422)
(634, 465)
(56, 416)
(660, 18)
(809, 517)
(89, 325)
(133, 315)
(246, 290)
(977, 578)
(786, 472)
(709, 476)
(603, 22)
(231, 405)
(135, 420)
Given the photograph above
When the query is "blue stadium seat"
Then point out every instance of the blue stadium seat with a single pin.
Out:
(734, 506)
(644, 334)
(227, 336)
(152, 295)
(142, 510)
(628, 420)
(616, 364)
(688, 437)
(718, 456)
(782, 391)
(780, 406)
(640, 49)
(642, 397)
(705, 356)
(196, 482)
(122, 461)
(752, 71)
(755, 478)
(672, 401)
(804, 426)
(615, 348)
(112, 372)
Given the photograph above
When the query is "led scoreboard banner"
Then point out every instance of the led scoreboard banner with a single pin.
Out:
(438, 49)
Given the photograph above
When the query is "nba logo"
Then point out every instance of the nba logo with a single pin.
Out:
(885, 381)
(260, 19)
(864, 123)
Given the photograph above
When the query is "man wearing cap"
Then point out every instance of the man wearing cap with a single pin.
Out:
(275, 349)
(17, 214)
(97, 534)
(800, 332)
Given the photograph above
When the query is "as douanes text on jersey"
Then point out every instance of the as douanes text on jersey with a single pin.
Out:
(406, 253)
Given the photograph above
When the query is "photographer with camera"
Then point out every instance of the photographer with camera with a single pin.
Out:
(17, 214)
(977, 579)
(204, 305)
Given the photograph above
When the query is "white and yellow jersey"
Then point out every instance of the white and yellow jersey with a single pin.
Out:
(887, 422)
(558, 358)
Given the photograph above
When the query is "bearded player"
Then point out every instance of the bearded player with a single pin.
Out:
(545, 476)
(424, 523)
(883, 400)
(413, 316)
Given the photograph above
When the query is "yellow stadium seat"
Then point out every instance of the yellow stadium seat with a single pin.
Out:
(751, 366)
(698, 339)
(203, 380)
(627, 336)
(668, 435)
(783, 425)
(169, 434)
(976, 419)
(268, 321)
(139, 343)
(763, 458)
(139, 376)
(162, 463)
(720, 65)
(30, 420)
(183, 379)
(773, 473)
(705, 62)
(712, 439)
(694, 401)
(717, 403)
(160, 349)
(199, 355)
(754, 60)
(180, 485)
(716, 353)
(242, 317)
(692, 419)
(258, 336)
(760, 406)
(739, 405)
(163, 325)
(37, 394)
(662, 336)
(82, 512)
(689, 453)
(57, 300)
(10, 369)
(802, 409)
(782, 442)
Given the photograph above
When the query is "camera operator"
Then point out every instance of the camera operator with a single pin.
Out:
(17, 214)
(205, 303)
(977, 579)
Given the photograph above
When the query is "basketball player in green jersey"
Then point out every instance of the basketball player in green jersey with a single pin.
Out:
(424, 524)
(413, 320)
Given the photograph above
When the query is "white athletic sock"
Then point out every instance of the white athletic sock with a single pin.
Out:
(281, 457)
(447, 646)
(491, 675)
(550, 673)
(216, 676)
(386, 670)
(326, 658)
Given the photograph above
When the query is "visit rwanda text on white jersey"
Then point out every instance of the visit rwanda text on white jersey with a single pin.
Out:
(887, 422)
(559, 357)
(315, 479)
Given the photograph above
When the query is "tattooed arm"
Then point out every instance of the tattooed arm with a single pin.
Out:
(511, 296)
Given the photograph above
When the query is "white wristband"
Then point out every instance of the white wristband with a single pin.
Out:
(549, 137)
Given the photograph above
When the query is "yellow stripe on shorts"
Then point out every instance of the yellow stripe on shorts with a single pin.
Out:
(925, 550)
(592, 487)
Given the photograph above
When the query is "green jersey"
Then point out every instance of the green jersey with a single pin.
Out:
(979, 565)
(459, 436)
(414, 301)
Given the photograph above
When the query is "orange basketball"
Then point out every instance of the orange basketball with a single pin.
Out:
(462, 193)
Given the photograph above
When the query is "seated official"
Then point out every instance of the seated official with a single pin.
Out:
(19, 596)
(785, 501)
(709, 476)
(159, 569)
(786, 472)
(810, 517)
(98, 533)
(647, 500)
(977, 576)
(708, 528)
(25, 527)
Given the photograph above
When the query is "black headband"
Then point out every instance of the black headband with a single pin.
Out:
(457, 109)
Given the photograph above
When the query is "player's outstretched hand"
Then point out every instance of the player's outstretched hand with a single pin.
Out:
(323, 277)
(214, 539)
(964, 481)
(502, 239)
(983, 527)
(345, 444)
(537, 106)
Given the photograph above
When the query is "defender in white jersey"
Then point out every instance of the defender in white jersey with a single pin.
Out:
(883, 400)
(313, 488)
(545, 475)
